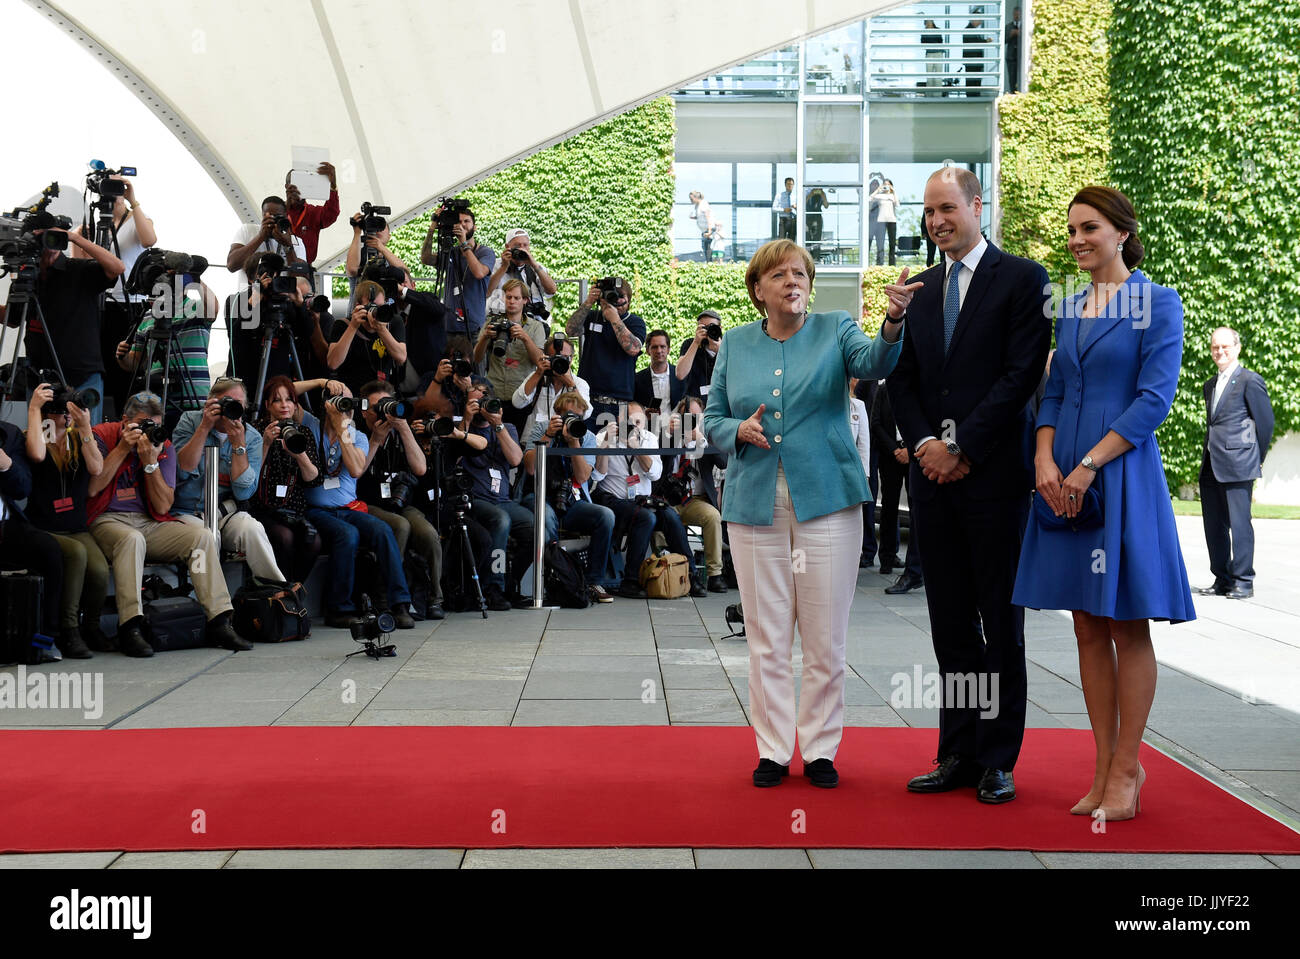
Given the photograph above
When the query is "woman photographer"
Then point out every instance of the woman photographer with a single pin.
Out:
(516, 343)
(62, 462)
(371, 343)
(290, 466)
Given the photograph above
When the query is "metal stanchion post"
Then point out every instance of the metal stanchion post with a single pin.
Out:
(211, 509)
(539, 519)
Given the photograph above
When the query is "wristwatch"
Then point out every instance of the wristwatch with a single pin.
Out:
(151, 467)
(239, 451)
(498, 428)
(1088, 463)
(953, 448)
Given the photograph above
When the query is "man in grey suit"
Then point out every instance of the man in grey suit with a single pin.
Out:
(1239, 428)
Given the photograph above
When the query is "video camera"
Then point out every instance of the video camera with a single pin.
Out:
(275, 307)
(390, 278)
(19, 244)
(372, 218)
(100, 182)
(153, 264)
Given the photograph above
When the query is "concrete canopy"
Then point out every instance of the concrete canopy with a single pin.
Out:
(414, 99)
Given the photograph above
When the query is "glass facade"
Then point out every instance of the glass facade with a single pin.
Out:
(893, 97)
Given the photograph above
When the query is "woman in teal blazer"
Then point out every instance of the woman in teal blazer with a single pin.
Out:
(779, 407)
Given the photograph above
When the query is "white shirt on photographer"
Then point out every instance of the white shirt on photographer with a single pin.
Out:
(615, 481)
(247, 231)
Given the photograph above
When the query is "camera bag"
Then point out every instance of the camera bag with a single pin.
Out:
(176, 622)
(564, 580)
(271, 612)
(21, 640)
(666, 577)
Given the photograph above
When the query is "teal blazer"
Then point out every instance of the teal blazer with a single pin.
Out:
(804, 382)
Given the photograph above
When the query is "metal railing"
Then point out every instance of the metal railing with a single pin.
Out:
(773, 76)
(934, 50)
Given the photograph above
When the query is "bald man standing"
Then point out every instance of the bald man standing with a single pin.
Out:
(1239, 428)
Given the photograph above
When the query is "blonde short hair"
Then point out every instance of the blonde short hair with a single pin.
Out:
(571, 398)
(769, 256)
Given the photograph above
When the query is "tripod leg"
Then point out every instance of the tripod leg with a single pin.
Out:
(267, 337)
(297, 368)
(467, 554)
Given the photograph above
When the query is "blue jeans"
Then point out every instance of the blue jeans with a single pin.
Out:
(500, 520)
(591, 520)
(345, 530)
(640, 524)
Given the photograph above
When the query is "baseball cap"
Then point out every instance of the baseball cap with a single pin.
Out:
(710, 313)
(511, 234)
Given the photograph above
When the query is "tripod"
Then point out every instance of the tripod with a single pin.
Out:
(281, 326)
(22, 293)
(164, 332)
(460, 508)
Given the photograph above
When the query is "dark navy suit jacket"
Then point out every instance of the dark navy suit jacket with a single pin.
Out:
(1240, 428)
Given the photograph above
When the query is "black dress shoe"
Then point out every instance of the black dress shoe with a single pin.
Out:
(96, 640)
(996, 786)
(220, 633)
(434, 611)
(72, 646)
(770, 773)
(865, 562)
(821, 772)
(953, 772)
(1240, 592)
(905, 583)
(1217, 589)
(717, 584)
(496, 601)
(628, 589)
(888, 564)
(402, 617)
(132, 642)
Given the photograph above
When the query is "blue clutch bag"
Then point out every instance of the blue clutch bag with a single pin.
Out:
(1090, 515)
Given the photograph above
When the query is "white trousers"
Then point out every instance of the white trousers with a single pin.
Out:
(797, 574)
(241, 533)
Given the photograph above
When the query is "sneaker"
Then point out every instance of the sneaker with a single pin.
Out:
(598, 594)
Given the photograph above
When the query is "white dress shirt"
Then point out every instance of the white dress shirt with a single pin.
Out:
(1221, 384)
(615, 481)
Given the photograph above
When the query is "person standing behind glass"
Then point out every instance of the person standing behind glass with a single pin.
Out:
(887, 217)
(1013, 52)
(934, 54)
(779, 408)
(784, 206)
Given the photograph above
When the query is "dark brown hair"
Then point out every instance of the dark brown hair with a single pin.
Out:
(1118, 209)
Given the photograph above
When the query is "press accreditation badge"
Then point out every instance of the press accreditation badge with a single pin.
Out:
(385, 491)
(281, 491)
(331, 482)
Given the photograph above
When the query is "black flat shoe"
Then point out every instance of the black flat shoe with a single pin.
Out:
(996, 786)
(953, 772)
(132, 643)
(1217, 589)
(770, 773)
(905, 583)
(1240, 592)
(888, 564)
(821, 772)
(717, 584)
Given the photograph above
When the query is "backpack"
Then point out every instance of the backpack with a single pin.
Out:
(271, 612)
(566, 583)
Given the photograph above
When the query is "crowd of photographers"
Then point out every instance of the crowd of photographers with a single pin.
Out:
(399, 438)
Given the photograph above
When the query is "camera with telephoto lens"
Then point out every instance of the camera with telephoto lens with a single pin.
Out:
(537, 310)
(574, 424)
(456, 487)
(675, 490)
(492, 405)
(498, 327)
(64, 394)
(306, 532)
(443, 426)
(516, 255)
(611, 289)
(734, 615)
(392, 406)
(294, 436)
(652, 502)
(346, 404)
(275, 307)
(155, 432)
(382, 312)
(369, 627)
(400, 488)
(713, 331)
(460, 366)
(232, 409)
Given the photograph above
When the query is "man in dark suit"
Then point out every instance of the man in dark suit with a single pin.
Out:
(655, 387)
(1239, 427)
(893, 461)
(978, 331)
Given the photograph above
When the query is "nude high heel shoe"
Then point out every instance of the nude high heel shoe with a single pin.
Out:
(1118, 814)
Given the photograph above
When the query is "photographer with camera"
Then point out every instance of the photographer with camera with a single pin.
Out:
(468, 269)
(344, 520)
(62, 455)
(371, 343)
(554, 375)
(189, 373)
(307, 219)
(624, 484)
(611, 342)
(291, 465)
(443, 389)
(222, 424)
(68, 291)
(515, 341)
(517, 263)
(695, 367)
(394, 466)
(657, 389)
(273, 235)
(276, 300)
(688, 485)
(129, 512)
(370, 236)
(133, 233)
(23, 546)
(490, 500)
(568, 499)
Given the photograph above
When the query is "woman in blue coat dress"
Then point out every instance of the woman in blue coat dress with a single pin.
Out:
(1102, 542)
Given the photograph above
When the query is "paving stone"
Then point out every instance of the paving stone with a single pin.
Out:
(448, 694)
(346, 859)
(705, 706)
(592, 677)
(579, 859)
(58, 860)
(591, 712)
(688, 657)
(193, 859)
(695, 677)
(1123, 860)
(922, 859)
(751, 859)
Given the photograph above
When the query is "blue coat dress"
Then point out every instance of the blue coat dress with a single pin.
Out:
(1122, 377)
(804, 384)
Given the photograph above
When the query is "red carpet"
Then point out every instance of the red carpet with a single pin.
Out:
(314, 787)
